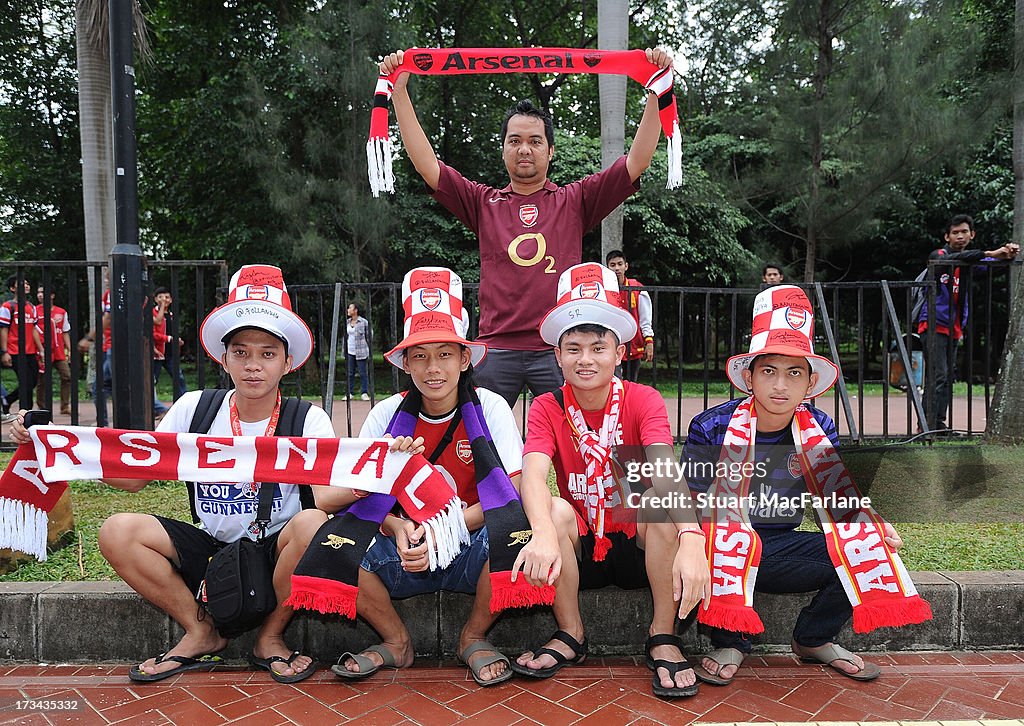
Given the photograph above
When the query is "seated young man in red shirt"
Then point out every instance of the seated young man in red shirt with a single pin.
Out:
(587, 429)
(438, 358)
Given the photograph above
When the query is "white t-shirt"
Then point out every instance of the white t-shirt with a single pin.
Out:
(456, 463)
(226, 510)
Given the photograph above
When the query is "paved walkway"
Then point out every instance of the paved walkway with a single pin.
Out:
(915, 687)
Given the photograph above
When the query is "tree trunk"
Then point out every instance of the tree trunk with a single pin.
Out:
(823, 37)
(1006, 419)
(612, 34)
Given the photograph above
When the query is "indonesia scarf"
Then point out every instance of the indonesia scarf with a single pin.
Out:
(596, 449)
(462, 61)
(873, 575)
(34, 479)
(326, 578)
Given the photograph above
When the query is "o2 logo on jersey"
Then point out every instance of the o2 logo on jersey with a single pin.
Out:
(540, 255)
(528, 214)
(588, 290)
(796, 317)
(430, 298)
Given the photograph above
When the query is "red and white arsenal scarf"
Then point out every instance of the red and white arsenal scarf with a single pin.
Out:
(873, 575)
(462, 61)
(596, 449)
(35, 479)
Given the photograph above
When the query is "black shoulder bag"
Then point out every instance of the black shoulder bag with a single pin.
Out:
(239, 585)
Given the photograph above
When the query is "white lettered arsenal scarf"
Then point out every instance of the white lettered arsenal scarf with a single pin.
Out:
(326, 578)
(462, 61)
(596, 450)
(872, 574)
(36, 475)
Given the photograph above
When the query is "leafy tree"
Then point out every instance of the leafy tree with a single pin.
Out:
(40, 182)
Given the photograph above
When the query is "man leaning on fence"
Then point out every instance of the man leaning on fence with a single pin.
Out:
(951, 307)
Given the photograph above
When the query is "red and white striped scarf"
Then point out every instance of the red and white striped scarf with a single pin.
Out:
(872, 574)
(596, 450)
(462, 61)
(37, 474)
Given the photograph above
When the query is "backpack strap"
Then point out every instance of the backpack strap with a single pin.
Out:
(559, 395)
(202, 419)
(449, 434)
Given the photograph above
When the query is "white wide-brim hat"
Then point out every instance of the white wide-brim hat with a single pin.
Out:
(432, 301)
(783, 325)
(257, 298)
(587, 294)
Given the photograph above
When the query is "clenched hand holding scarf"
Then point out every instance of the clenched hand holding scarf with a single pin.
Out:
(872, 574)
(327, 579)
(461, 61)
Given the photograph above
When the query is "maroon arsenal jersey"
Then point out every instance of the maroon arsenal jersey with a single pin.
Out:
(526, 242)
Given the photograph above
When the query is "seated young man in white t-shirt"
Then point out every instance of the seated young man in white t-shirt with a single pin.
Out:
(165, 560)
(438, 358)
(587, 429)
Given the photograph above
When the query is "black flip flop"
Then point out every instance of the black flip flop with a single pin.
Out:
(673, 667)
(579, 651)
(267, 664)
(200, 662)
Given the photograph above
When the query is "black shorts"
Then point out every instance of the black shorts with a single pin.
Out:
(624, 566)
(196, 546)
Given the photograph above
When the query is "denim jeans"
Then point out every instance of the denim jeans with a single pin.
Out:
(108, 390)
(460, 576)
(353, 363)
(794, 561)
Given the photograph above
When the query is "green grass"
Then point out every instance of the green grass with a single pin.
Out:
(956, 506)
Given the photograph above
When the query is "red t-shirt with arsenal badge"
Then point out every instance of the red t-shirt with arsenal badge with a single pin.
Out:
(643, 421)
(456, 461)
(526, 242)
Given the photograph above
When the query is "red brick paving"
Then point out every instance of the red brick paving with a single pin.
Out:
(913, 687)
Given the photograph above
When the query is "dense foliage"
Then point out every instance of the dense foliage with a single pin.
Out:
(815, 131)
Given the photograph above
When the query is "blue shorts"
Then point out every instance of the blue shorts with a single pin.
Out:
(460, 576)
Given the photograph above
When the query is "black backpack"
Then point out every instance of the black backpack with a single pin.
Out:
(238, 590)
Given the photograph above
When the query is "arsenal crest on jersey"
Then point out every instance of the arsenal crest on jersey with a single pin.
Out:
(528, 214)
(257, 292)
(464, 451)
(796, 317)
(430, 298)
(793, 466)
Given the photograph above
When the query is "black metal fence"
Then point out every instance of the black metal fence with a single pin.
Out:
(865, 327)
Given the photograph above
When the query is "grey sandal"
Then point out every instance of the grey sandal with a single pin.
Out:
(723, 657)
(829, 653)
(366, 666)
(480, 663)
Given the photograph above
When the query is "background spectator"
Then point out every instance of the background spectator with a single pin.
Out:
(60, 348)
(358, 349)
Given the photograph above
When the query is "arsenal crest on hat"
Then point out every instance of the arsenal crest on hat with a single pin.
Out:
(783, 325)
(432, 301)
(257, 298)
(587, 293)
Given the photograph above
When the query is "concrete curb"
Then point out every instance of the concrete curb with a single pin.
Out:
(46, 622)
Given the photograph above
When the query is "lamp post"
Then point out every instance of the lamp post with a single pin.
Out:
(131, 323)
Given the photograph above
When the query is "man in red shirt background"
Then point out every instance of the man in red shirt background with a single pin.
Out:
(21, 356)
(638, 304)
(60, 348)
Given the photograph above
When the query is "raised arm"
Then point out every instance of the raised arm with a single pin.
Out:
(417, 145)
(649, 131)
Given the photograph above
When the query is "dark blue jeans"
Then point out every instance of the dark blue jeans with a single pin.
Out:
(353, 362)
(505, 372)
(794, 561)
